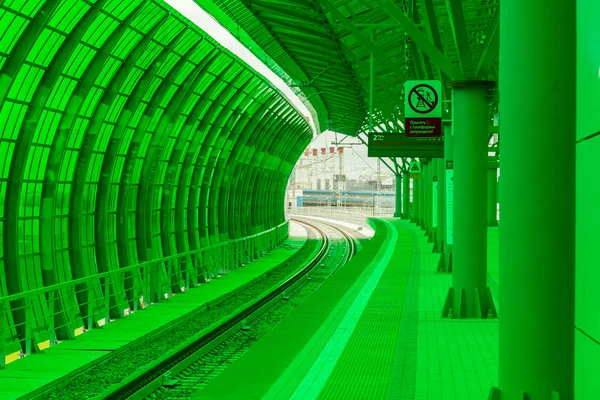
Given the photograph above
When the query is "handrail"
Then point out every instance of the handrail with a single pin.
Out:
(87, 279)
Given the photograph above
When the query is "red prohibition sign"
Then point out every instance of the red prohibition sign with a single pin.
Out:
(428, 103)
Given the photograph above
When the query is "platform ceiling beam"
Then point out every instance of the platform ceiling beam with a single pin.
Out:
(426, 45)
(461, 36)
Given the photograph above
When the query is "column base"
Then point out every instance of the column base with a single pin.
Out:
(493, 223)
(496, 394)
(469, 303)
(431, 236)
(397, 215)
(438, 245)
(445, 263)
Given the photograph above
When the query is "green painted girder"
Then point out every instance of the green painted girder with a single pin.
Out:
(122, 81)
(269, 38)
(24, 276)
(172, 232)
(110, 241)
(80, 207)
(59, 164)
(253, 160)
(196, 133)
(161, 162)
(263, 99)
(490, 48)
(227, 156)
(363, 39)
(418, 57)
(136, 153)
(226, 134)
(223, 181)
(419, 38)
(151, 171)
(269, 125)
(231, 178)
(461, 37)
(209, 111)
(268, 186)
(227, 99)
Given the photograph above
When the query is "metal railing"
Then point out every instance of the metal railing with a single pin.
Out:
(357, 215)
(40, 318)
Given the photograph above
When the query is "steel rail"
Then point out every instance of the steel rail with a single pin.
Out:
(169, 378)
(160, 372)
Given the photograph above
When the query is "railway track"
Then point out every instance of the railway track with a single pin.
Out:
(192, 368)
(217, 343)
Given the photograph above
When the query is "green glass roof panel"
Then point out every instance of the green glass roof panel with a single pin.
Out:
(67, 14)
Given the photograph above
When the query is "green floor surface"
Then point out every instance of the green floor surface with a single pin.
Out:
(258, 371)
(31, 373)
(395, 346)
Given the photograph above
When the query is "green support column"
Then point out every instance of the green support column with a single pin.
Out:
(425, 186)
(441, 207)
(492, 196)
(445, 263)
(537, 243)
(421, 199)
(469, 296)
(432, 174)
(398, 210)
(406, 195)
(415, 200)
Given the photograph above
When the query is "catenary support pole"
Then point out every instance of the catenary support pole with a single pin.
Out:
(469, 296)
(537, 252)
(492, 196)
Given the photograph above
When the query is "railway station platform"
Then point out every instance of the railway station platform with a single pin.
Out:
(27, 377)
(374, 331)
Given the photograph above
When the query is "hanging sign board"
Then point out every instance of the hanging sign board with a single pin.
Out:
(397, 144)
(423, 109)
(449, 200)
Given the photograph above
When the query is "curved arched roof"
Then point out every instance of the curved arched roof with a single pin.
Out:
(127, 135)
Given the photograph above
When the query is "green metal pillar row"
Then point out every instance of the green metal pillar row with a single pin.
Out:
(406, 195)
(415, 201)
(492, 196)
(441, 206)
(469, 296)
(445, 263)
(421, 209)
(432, 199)
(537, 252)
(398, 201)
(425, 191)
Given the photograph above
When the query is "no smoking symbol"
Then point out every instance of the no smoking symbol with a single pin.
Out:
(422, 99)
